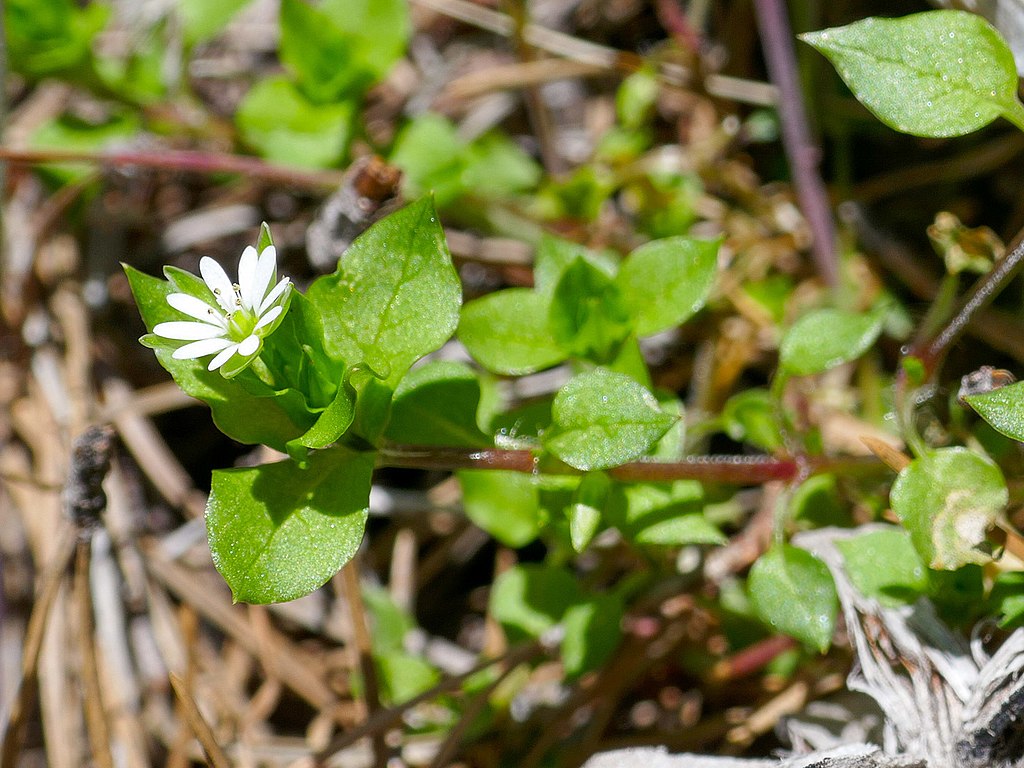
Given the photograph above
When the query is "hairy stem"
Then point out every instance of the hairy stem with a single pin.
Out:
(737, 470)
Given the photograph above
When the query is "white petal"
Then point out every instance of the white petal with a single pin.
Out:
(200, 348)
(223, 357)
(274, 294)
(182, 330)
(196, 308)
(266, 271)
(217, 280)
(248, 345)
(268, 318)
(247, 277)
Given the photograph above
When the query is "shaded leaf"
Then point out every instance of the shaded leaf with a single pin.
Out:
(278, 531)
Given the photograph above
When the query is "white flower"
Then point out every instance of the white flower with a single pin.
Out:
(244, 313)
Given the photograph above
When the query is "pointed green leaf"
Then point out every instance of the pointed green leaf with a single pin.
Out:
(603, 419)
(1003, 409)
(588, 316)
(395, 296)
(792, 591)
(666, 281)
(589, 499)
(278, 532)
(938, 73)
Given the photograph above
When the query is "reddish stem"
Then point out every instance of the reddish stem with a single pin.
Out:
(736, 470)
(180, 160)
(803, 153)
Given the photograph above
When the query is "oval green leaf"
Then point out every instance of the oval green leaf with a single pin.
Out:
(278, 531)
(507, 332)
(528, 600)
(792, 591)
(884, 564)
(825, 338)
(938, 73)
(603, 419)
(505, 504)
(948, 500)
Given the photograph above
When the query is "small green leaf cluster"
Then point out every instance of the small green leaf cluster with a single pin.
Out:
(332, 53)
(587, 306)
(435, 159)
(657, 187)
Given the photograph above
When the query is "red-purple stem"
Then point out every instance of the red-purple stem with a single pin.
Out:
(180, 160)
(803, 153)
(736, 470)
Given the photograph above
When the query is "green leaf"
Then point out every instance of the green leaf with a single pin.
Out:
(331, 424)
(948, 500)
(825, 338)
(589, 499)
(588, 316)
(496, 167)
(284, 126)
(636, 97)
(885, 565)
(202, 20)
(593, 630)
(792, 591)
(52, 37)
(429, 152)
(278, 532)
(68, 133)
(939, 73)
(1008, 599)
(507, 332)
(528, 600)
(505, 504)
(1003, 409)
(668, 514)
(319, 54)
(271, 417)
(436, 404)
(395, 296)
(391, 623)
(555, 255)
(139, 76)
(603, 419)
(404, 677)
(378, 31)
(749, 416)
(666, 281)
